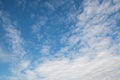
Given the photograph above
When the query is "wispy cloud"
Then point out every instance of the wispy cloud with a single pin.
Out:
(13, 38)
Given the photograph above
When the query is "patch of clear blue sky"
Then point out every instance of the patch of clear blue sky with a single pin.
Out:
(4, 69)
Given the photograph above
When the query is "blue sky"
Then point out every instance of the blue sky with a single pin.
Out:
(59, 39)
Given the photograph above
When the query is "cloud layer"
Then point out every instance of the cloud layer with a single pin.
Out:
(89, 51)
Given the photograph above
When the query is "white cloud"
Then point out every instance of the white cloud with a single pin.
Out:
(30, 75)
(103, 67)
(24, 64)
